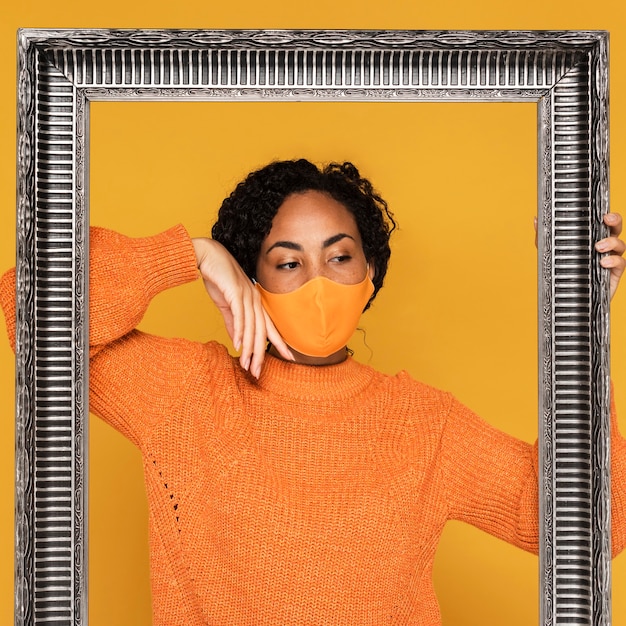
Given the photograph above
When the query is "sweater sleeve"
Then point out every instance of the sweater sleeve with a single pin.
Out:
(125, 274)
(618, 484)
(132, 375)
(491, 479)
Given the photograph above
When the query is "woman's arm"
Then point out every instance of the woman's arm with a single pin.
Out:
(131, 373)
(124, 275)
(134, 376)
(491, 479)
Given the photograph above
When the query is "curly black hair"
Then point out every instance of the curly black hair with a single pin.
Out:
(245, 217)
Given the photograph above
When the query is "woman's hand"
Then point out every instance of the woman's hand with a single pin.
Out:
(612, 245)
(239, 302)
(615, 248)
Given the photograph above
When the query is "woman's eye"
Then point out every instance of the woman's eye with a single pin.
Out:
(291, 265)
(342, 258)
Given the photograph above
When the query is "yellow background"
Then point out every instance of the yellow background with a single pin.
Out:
(459, 308)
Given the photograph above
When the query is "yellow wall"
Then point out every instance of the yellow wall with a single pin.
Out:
(459, 308)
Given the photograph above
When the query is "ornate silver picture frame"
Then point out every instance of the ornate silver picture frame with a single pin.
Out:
(61, 71)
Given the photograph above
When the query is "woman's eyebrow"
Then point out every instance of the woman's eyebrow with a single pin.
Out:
(290, 245)
(335, 238)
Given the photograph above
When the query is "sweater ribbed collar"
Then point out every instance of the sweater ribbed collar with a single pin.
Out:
(312, 382)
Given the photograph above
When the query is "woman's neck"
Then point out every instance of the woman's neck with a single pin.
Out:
(305, 359)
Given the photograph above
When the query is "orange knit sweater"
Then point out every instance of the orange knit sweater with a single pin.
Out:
(316, 495)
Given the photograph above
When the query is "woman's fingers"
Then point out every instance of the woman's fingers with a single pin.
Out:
(250, 323)
(264, 330)
(276, 340)
(614, 245)
(614, 222)
(616, 264)
(235, 314)
(245, 321)
(260, 338)
(614, 249)
(254, 338)
(239, 302)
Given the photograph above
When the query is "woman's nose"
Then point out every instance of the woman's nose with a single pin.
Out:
(315, 269)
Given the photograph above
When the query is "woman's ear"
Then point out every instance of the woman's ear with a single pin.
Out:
(371, 269)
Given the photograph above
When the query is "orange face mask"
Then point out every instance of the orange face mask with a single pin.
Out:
(319, 317)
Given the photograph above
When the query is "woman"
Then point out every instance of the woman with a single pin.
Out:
(295, 486)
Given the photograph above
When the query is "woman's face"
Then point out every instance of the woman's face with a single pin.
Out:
(312, 235)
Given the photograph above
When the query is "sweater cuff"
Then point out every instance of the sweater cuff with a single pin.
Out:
(169, 258)
(7, 302)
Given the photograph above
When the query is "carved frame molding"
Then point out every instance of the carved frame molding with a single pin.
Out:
(61, 71)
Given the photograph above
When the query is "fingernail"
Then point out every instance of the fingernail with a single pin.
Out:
(601, 246)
